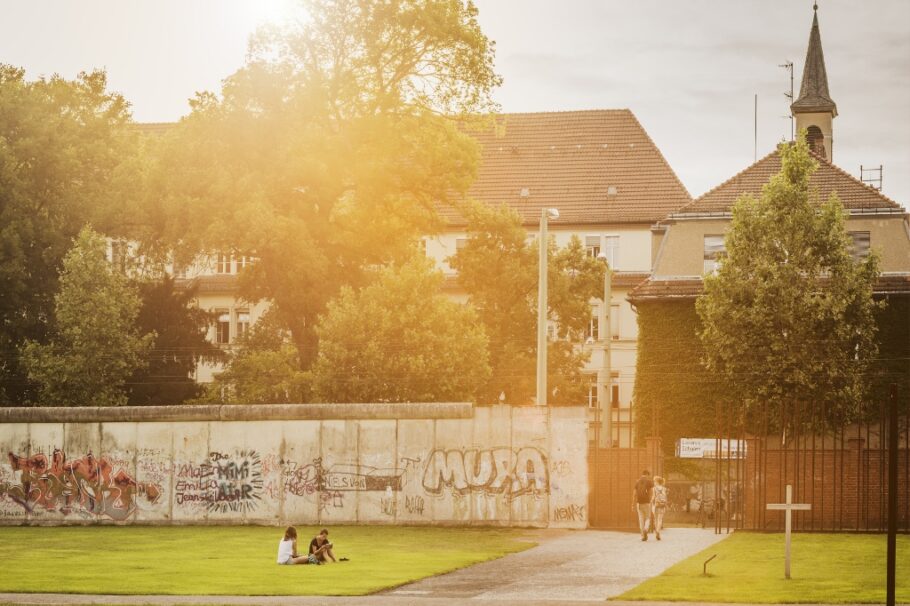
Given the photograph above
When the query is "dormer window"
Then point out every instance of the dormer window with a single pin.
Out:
(859, 245)
(714, 252)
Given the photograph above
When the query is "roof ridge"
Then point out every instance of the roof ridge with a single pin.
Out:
(731, 179)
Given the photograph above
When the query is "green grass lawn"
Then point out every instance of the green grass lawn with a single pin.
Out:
(236, 560)
(749, 567)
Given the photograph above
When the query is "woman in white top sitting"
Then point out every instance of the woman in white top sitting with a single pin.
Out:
(287, 549)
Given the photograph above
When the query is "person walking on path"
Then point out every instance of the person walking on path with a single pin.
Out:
(641, 502)
(659, 500)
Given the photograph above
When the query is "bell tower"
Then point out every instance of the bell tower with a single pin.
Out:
(814, 109)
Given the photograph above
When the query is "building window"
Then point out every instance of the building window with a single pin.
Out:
(592, 245)
(592, 392)
(243, 322)
(592, 332)
(614, 395)
(223, 265)
(714, 252)
(223, 328)
(243, 261)
(859, 245)
(614, 322)
(611, 250)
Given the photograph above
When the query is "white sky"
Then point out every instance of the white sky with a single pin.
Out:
(689, 69)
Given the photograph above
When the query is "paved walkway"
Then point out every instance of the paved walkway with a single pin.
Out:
(588, 566)
(568, 568)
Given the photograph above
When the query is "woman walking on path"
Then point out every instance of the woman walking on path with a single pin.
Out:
(659, 500)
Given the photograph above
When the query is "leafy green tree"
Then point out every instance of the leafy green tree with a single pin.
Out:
(96, 345)
(789, 318)
(499, 269)
(264, 369)
(327, 154)
(181, 344)
(400, 339)
(67, 158)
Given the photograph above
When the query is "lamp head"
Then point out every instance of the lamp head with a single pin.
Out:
(552, 213)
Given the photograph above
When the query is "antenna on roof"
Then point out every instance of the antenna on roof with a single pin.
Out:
(871, 176)
(789, 67)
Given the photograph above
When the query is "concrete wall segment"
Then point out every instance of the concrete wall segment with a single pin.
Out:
(495, 467)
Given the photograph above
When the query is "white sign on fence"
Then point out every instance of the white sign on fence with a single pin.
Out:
(706, 448)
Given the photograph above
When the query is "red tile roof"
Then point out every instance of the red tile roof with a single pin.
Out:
(853, 193)
(689, 288)
(597, 166)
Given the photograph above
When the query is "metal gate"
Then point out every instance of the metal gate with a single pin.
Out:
(612, 476)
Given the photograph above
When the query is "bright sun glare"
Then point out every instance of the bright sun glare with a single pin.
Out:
(261, 12)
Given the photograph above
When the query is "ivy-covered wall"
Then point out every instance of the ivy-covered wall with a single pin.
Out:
(676, 397)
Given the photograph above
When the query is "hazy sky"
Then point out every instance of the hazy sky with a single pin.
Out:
(689, 69)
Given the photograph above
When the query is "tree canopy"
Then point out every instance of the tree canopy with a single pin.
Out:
(327, 153)
(789, 318)
(499, 270)
(67, 158)
(400, 339)
(180, 345)
(95, 345)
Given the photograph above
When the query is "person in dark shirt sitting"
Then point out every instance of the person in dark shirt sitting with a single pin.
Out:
(321, 547)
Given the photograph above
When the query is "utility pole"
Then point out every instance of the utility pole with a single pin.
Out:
(543, 242)
(892, 496)
(604, 380)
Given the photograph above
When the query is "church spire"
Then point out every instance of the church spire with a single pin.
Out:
(814, 109)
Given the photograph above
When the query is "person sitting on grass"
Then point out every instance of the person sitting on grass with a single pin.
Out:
(321, 548)
(287, 549)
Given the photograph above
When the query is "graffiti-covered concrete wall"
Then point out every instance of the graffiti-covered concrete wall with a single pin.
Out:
(408, 464)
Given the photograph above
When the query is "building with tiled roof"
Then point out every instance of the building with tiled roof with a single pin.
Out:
(688, 240)
(596, 167)
(610, 183)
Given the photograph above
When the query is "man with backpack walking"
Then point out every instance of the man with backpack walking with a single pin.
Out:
(641, 502)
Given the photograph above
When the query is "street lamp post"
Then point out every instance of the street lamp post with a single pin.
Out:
(545, 213)
(604, 393)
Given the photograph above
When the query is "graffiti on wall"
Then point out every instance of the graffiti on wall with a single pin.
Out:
(495, 471)
(87, 486)
(223, 483)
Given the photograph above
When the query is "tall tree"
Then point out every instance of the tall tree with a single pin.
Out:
(499, 270)
(327, 153)
(180, 345)
(789, 318)
(400, 339)
(67, 158)
(95, 346)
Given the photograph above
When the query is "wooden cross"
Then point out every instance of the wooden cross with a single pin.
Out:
(789, 507)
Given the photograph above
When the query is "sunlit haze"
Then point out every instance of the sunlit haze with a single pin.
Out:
(689, 70)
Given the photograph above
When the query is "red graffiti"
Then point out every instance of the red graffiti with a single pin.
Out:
(86, 485)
